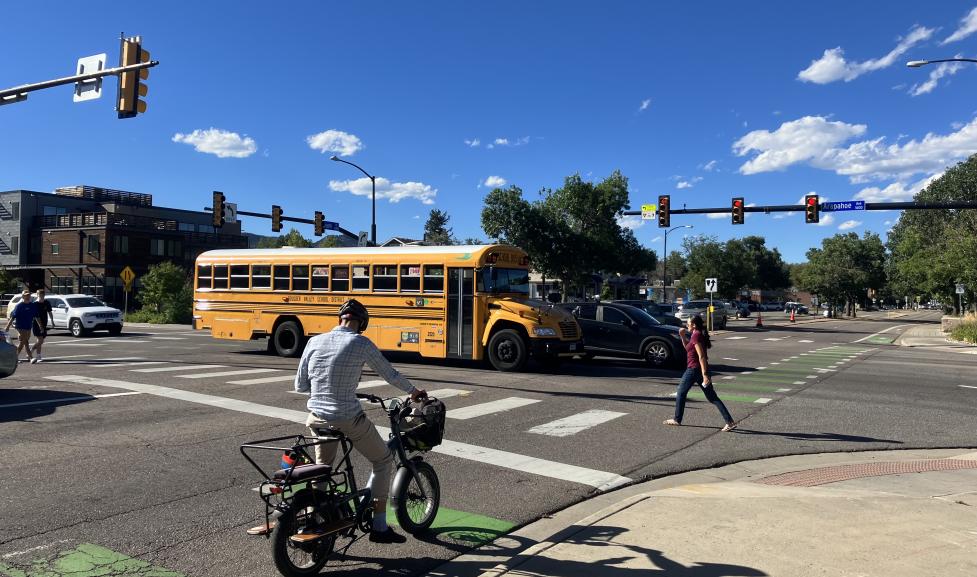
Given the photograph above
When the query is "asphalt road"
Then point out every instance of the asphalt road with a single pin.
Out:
(101, 446)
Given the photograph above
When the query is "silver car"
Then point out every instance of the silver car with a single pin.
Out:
(8, 357)
(701, 308)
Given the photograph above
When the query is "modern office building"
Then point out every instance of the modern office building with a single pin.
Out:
(80, 238)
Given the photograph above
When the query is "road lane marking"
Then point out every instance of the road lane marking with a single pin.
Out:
(168, 338)
(178, 368)
(774, 363)
(448, 393)
(68, 399)
(879, 333)
(54, 359)
(734, 338)
(729, 377)
(799, 382)
(773, 339)
(763, 400)
(784, 390)
(73, 344)
(227, 373)
(729, 359)
(811, 377)
(747, 373)
(805, 341)
(760, 368)
(967, 386)
(575, 423)
(263, 380)
(601, 480)
(489, 408)
(128, 341)
(371, 384)
(134, 363)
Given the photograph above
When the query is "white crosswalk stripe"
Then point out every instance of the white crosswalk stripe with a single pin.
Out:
(177, 368)
(448, 393)
(575, 423)
(168, 338)
(263, 380)
(734, 338)
(489, 408)
(227, 373)
(762, 400)
(805, 341)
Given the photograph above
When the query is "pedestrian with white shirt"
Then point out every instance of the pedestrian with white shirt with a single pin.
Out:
(330, 370)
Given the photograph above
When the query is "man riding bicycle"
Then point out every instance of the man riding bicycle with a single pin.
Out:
(330, 371)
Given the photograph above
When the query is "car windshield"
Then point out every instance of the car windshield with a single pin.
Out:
(696, 305)
(643, 318)
(84, 302)
(504, 280)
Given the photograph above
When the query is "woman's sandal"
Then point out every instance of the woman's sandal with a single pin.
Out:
(672, 423)
(730, 426)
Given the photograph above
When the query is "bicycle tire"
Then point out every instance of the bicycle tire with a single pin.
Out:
(416, 499)
(301, 560)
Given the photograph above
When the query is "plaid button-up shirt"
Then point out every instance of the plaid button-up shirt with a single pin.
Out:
(330, 370)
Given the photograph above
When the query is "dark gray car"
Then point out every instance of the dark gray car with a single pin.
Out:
(662, 313)
(616, 330)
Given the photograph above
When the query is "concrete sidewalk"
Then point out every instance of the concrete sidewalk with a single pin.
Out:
(932, 336)
(886, 513)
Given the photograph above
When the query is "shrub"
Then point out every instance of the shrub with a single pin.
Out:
(966, 331)
(145, 315)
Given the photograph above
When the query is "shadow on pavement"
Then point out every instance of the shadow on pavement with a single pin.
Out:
(817, 436)
(32, 403)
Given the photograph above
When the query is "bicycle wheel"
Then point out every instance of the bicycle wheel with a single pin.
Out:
(295, 557)
(416, 498)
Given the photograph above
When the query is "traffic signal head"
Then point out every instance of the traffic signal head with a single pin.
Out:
(811, 209)
(320, 223)
(218, 208)
(738, 210)
(664, 211)
(128, 104)
(276, 218)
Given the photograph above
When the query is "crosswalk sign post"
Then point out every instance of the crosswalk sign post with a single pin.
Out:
(127, 275)
(711, 285)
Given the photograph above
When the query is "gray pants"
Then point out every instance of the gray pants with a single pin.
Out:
(366, 439)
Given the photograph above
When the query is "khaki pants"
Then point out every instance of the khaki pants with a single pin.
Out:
(366, 439)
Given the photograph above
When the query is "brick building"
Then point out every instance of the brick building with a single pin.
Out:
(79, 238)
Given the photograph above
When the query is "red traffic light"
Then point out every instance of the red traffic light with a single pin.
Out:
(812, 200)
(737, 203)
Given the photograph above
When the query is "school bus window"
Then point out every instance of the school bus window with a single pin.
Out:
(433, 279)
(204, 276)
(361, 278)
(239, 276)
(220, 276)
(340, 278)
(281, 275)
(384, 278)
(410, 278)
(300, 278)
(320, 278)
(261, 276)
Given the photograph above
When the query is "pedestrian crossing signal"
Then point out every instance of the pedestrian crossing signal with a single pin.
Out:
(738, 210)
(811, 209)
(664, 211)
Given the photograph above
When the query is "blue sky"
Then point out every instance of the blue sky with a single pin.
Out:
(442, 100)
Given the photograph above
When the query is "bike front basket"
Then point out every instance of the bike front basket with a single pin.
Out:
(423, 428)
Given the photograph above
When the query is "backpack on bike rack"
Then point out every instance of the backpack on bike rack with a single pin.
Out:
(423, 428)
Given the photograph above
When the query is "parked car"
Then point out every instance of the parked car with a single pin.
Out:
(701, 308)
(82, 314)
(772, 306)
(797, 308)
(741, 309)
(656, 310)
(8, 357)
(616, 330)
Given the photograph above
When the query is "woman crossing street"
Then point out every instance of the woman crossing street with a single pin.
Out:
(697, 343)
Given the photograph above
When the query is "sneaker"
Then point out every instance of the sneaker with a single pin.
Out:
(388, 536)
(34, 361)
(39, 358)
(730, 426)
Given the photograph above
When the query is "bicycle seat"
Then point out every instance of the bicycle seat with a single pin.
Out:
(303, 472)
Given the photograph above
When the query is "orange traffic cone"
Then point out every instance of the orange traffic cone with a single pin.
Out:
(759, 319)
(792, 316)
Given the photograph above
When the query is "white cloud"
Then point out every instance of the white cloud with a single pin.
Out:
(337, 141)
(944, 69)
(657, 238)
(473, 143)
(895, 192)
(417, 217)
(222, 143)
(887, 223)
(849, 224)
(633, 222)
(521, 141)
(826, 219)
(968, 25)
(814, 140)
(683, 184)
(392, 191)
(644, 105)
(494, 181)
(710, 166)
(956, 125)
(805, 139)
(832, 65)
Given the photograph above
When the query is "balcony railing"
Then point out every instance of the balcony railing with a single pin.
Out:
(106, 194)
(76, 220)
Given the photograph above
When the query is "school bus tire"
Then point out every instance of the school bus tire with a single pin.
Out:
(508, 351)
(288, 339)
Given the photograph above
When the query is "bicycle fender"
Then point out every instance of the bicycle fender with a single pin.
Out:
(399, 486)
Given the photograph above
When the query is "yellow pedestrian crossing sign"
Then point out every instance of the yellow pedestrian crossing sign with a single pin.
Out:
(127, 275)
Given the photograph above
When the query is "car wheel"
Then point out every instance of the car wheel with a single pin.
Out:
(77, 329)
(657, 353)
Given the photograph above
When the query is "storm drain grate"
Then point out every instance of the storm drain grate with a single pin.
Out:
(825, 475)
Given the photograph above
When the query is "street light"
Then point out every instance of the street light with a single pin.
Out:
(373, 179)
(919, 63)
(665, 262)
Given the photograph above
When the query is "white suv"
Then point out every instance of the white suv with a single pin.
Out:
(80, 314)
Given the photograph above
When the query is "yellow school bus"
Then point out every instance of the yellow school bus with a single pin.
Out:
(462, 302)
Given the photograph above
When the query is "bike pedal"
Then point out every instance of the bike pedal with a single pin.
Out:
(261, 529)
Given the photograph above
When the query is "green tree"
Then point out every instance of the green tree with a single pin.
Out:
(8, 283)
(844, 268)
(292, 238)
(166, 295)
(436, 231)
(330, 241)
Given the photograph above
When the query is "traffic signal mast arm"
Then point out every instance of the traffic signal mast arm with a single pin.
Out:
(800, 207)
(19, 93)
(294, 219)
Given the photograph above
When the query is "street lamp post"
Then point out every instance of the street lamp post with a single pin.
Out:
(665, 261)
(919, 63)
(373, 180)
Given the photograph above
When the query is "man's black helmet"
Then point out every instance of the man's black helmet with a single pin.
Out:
(353, 309)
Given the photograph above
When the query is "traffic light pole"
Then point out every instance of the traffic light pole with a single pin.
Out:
(19, 93)
(967, 204)
(290, 219)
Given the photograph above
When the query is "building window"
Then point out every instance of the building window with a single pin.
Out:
(120, 244)
(261, 276)
(174, 248)
(55, 248)
(300, 278)
(15, 210)
(320, 278)
(208, 228)
(385, 278)
(340, 278)
(92, 285)
(15, 245)
(434, 279)
(187, 227)
(93, 244)
(157, 247)
(204, 275)
(281, 277)
(62, 285)
(239, 276)
(361, 278)
(410, 278)
(53, 210)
